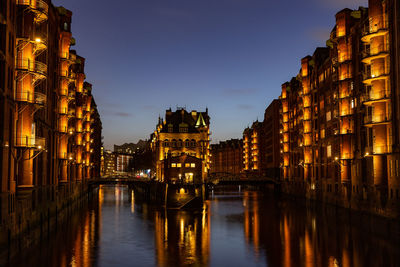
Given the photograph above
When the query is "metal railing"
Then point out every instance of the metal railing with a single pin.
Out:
(381, 49)
(27, 96)
(30, 141)
(376, 95)
(368, 75)
(382, 149)
(376, 119)
(63, 111)
(35, 4)
(376, 23)
(34, 66)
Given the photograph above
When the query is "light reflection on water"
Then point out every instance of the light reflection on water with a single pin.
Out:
(233, 229)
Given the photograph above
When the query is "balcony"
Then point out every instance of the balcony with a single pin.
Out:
(64, 55)
(368, 78)
(374, 97)
(35, 142)
(33, 66)
(345, 156)
(33, 98)
(63, 111)
(377, 27)
(382, 51)
(71, 112)
(39, 7)
(379, 119)
(345, 77)
(62, 128)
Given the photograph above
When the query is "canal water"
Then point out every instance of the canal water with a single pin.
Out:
(234, 229)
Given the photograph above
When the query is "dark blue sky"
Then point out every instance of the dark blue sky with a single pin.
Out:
(144, 56)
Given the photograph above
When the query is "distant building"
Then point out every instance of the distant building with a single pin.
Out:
(252, 147)
(109, 163)
(124, 162)
(131, 148)
(261, 144)
(271, 136)
(181, 133)
(227, 157)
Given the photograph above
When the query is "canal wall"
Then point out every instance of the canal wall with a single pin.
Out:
(364, 200)
(31, 215)
(366, 219)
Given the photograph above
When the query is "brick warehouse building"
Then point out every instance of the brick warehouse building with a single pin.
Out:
(340, 115)
(181, 133)
(227, 157)
(261, 148)
(50, 129)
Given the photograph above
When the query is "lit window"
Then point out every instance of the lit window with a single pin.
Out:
(329, 151)
(179, 165)
(193, 165)
(187, 165)
(173, 165)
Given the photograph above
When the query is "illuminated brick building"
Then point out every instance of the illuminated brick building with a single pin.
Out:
(227, 157)
(50, 129)
(261, 148)
(340, 115)
(181, 133)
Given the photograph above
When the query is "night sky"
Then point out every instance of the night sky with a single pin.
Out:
(144, 56)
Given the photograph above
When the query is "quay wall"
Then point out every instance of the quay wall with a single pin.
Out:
(31, 215)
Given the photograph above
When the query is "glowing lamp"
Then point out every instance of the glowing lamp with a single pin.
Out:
(38, 40)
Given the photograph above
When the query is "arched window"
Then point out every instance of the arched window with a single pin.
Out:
(166, 143)
(187, 143)
(180, 143)
(173, 143)
(193, 143)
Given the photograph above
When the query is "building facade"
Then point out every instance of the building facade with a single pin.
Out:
(50, 129)
(340, 115)
(261, 144)
(227, 157)
(110, 163)
(181, 133)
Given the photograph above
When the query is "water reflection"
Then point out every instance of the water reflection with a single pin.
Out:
(238, 229)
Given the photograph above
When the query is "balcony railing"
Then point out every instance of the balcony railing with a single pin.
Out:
(376, 24)
(26, 64)
(368, 77)
(380, 149)
(63, 111)
(38, 5)
(379, 51)
(31, 142)
(34, 98)
(376, 96)
(376, 119)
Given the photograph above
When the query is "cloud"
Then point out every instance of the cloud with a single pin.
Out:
(245, 106)
(122, 114)
(239, 92)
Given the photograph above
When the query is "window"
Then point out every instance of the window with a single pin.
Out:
(65, 26)
(193, 165)
(187, 143)
(329, 151)
(173, 165)
(179, 165)
(328, 116)
(183, 129)
(166, 143)
(170, 128)
(187, 165)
